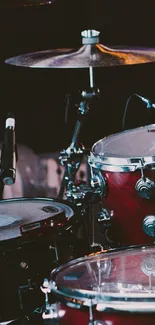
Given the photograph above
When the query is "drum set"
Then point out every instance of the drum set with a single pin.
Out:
(51, 266)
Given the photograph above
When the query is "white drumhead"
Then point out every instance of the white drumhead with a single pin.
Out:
(126, 149)
(138, 142)
(118, 279)
(24, 211)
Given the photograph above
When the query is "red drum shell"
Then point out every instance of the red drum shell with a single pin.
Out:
(129, 208)
(76, 317)
(120, 158)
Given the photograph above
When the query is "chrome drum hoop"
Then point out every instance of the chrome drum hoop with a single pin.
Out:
(121, 164)
(81, 298)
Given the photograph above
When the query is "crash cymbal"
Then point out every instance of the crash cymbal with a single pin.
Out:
(91, 54)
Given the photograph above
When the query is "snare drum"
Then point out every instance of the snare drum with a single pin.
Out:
(35, 235)
(113, 287)
(125, 164)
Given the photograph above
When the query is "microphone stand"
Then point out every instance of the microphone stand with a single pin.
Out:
(4, 161)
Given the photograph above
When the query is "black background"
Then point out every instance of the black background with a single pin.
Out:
(37, 96)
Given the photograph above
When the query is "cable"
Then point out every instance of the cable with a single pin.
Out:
(125, 110)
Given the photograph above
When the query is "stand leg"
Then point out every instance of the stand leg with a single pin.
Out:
(91, 77)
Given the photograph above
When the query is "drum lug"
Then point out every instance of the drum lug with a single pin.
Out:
(98, 182)
(104, 216)
(145, 187)
(53, 313)
(149, 225)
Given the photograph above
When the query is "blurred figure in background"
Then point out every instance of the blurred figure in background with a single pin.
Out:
(26, 175)
(39, 175)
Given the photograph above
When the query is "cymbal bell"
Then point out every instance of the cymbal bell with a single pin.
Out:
(90, 54)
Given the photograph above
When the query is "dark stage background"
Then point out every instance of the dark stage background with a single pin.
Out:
(38, 96)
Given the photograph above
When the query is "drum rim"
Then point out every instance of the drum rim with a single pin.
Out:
(118, 163)
(71, 221)
(61, 201)
(79, 298)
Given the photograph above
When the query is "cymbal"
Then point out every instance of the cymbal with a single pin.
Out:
(90, 54)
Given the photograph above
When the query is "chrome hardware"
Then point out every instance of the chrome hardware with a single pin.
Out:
(105, 216)
(102, 158)
(54, 314)
(90, 36)
(45, 288)
(145, 187)
(149, 225)
(92, 93)
(52, 311)
(72, 157)
(98, 182)
(91, 318)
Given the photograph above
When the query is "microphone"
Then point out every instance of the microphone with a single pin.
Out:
(8, 153)
(147, 101)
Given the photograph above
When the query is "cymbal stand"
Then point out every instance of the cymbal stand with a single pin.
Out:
(72, 157)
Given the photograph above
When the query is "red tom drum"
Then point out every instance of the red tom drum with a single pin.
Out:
(113, 287)
(125, 163)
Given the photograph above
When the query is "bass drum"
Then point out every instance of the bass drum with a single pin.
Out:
(35, 235)
(125, 165)
(114, 287)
